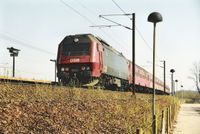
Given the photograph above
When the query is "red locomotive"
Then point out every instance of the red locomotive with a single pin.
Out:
(88, 60)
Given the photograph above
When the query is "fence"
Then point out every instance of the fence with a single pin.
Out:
(163, 122)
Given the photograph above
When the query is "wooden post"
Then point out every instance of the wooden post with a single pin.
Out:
(139, 131)
(171, 112)
(163, 122)
(155, 123)
(170, 116)
(167, 120)
(176, 109)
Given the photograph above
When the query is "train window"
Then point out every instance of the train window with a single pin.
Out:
(81, 49)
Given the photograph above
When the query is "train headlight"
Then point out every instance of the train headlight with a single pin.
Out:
(87, 68)
(82, 68)
(76, 40)
(62, 69)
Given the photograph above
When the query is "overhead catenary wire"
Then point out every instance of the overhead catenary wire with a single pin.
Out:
(85, 7)
(93, 13)
(102, 16)
(120, 42)
(90, 21)
(140, 34)
(80, 14)
(6, 37)
(104, 26)
(120, 8)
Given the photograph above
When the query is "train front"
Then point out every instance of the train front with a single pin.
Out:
(77, 60)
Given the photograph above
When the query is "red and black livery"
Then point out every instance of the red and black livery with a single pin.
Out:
(88, 60)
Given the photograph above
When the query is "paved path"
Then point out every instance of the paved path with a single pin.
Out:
(188, 121)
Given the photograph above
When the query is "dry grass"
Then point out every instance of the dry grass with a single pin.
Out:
(47, 109)
(21, 92)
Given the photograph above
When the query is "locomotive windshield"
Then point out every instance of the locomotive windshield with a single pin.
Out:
(82, 49)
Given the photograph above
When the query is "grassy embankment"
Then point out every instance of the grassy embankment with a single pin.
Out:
(46, 109)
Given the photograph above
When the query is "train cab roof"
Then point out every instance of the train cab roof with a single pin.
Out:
(86, 38)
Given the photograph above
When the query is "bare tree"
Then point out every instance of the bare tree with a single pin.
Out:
(196, 75)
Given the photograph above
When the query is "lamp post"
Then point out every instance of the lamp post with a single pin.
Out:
(164, 76)
(13, 53)
(172, 81)
(55, 67)
(154, 17)
(176, 89)
(182, 91)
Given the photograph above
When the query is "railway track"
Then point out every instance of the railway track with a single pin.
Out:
(15, 80)
(27, 81)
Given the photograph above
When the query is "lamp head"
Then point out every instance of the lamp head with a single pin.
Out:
(52, 60)
(155, 17)
(172, 70)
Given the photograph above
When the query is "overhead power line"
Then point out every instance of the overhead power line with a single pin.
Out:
(104, 26)
(76, 11)
(147, 44)
(88, 20)
(140, 34)
(92, 12)
(24, 44)
(102, 16)
(85, 7)
(120, 8)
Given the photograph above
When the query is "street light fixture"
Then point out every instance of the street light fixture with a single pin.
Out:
(172, 81)
(154, 17)
(55, 67)
(13, 53)
(164, 75)
(182, 90)
(176, 89)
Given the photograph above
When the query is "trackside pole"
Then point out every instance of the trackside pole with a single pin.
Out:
(133, 54)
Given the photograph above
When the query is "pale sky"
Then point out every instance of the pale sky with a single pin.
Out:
(36, 27)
